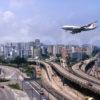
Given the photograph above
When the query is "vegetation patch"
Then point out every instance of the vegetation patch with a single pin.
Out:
(29, 71)
(3, 80)
(15, 86)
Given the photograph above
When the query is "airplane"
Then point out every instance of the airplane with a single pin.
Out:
(78, 29)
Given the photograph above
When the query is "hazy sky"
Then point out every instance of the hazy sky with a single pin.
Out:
(26, 20)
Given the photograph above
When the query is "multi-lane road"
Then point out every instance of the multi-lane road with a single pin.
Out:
(77, 70)
(77, 79)
(76, 76)
(51, 82)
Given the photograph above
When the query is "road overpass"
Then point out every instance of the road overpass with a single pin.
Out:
(85, 83)
(55, 87)
(72, 95)
(76, 79)
(77, 70)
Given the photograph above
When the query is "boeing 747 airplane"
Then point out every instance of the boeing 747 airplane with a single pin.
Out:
(78, 29)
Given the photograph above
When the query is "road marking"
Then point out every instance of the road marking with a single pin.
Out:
(32, 87)
(36, 84)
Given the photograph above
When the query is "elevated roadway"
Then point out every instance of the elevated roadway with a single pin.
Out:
(77, 79)
(77, 70)
(55, 88)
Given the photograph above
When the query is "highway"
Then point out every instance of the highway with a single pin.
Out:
(54, 89)
(50, 82)
(77, 70)
(78, 79)
(74, 78)
(57, 87)
(38, 87)
(31, 91)
(84, 65)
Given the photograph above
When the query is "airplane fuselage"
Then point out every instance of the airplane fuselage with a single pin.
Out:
(78, 29)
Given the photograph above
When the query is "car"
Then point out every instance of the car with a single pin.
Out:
(89, 84)
(1, 86)
(44, 98)
(41, 91)
(89, 98)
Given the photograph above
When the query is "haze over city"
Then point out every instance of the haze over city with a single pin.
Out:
(26, 20)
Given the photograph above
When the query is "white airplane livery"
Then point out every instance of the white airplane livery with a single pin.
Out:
(78, 29)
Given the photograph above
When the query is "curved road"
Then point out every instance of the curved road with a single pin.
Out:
(82, 74)
(64, 92)
(77, 79)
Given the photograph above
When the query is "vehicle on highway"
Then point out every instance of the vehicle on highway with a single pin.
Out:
(89, 98)
(89, 84)
(1, 86)
(41, 91)
(78, 29)
(44, 98)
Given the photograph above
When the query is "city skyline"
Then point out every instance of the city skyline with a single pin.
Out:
(22, 20)
(37, 49)
(47, 44)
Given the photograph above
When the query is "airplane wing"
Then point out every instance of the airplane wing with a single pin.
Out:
(73, 29)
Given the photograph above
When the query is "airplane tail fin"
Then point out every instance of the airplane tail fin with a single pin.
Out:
(93, 25)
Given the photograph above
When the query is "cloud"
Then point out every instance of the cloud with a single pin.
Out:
(25, 20)
(28, 29)
(8, 16)
(11, 29)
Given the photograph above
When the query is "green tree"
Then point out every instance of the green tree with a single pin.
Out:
(58, 55)
(2, 60)
(19, 61)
